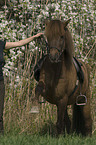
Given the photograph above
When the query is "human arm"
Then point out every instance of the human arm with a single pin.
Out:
(9, 45)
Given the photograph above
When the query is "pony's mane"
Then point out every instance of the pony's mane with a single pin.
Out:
(55, 28)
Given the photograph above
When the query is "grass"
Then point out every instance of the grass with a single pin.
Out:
(46, 140)
(21, 128)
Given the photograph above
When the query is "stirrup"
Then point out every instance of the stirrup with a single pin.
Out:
(79, 98)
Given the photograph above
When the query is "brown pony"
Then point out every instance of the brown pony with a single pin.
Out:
(58, 77)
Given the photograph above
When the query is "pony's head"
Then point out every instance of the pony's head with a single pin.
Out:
(59, 39)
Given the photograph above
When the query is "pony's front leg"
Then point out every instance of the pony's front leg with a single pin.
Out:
(39, 90)
(61, 115)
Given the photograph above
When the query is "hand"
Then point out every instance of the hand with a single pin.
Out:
(39, 34)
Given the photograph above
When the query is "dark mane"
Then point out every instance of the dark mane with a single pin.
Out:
(69, 49)
(55, 28)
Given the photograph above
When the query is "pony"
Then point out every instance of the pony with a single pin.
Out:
(63, 80)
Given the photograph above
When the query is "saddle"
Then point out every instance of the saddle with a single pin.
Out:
(77, 64)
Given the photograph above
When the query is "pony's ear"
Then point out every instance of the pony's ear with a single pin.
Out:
(66, 22)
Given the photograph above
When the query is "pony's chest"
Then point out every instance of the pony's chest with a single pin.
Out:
(55, 90)
(61, 87)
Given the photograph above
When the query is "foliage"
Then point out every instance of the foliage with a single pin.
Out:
(20, 19)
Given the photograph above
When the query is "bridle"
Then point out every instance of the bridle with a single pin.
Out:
(60, 51)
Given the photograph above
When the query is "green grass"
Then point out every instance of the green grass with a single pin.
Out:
(46, 140)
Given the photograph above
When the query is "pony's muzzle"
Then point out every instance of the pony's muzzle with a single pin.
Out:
(54, 55)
